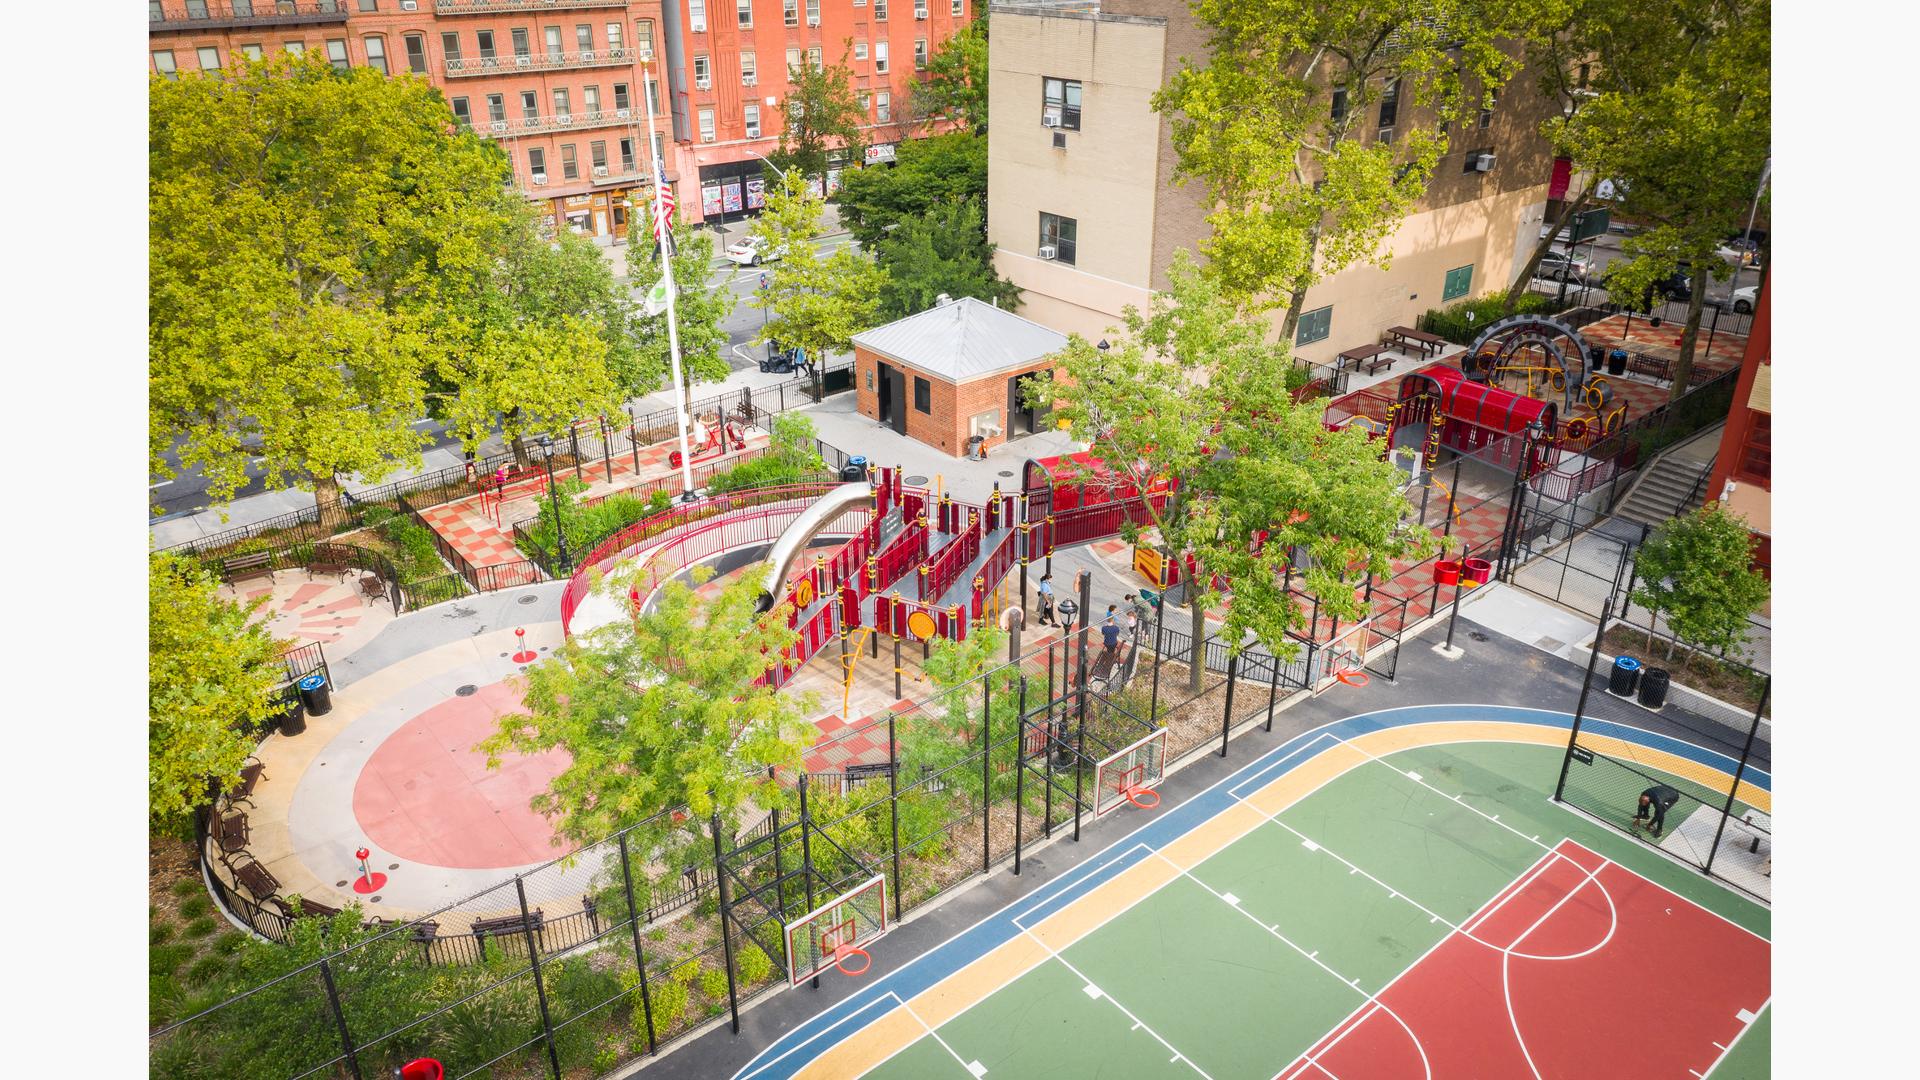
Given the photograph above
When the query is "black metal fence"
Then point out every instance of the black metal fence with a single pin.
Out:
(1711, 811)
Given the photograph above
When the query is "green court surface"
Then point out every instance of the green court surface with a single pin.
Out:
(1249, 960)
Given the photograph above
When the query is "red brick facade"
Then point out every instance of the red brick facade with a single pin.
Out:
(947, 421)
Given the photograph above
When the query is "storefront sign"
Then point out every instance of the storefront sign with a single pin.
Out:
(710, 199)
(880, 152)
(756, 193)
(730, 196)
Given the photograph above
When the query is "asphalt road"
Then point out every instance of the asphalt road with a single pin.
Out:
(187, 492)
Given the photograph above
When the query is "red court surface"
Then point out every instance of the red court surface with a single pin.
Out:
(427, 796)
(1580, 969)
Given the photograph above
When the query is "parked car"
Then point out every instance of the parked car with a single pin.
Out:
(1744, 298)
(1741, 252)
(1676, 286)
(749, 252)
(1558, 265)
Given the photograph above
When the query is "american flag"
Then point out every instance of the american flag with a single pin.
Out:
(662, 204)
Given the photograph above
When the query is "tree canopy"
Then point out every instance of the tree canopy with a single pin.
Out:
(1696, 572)
(926, 173)
(816, 302)
(944, 250)
(1278, 125)
(821, 113)
(211, 682)
(956, 84)
(699, 307)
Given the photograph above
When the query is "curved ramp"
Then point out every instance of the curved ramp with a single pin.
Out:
(799, 535)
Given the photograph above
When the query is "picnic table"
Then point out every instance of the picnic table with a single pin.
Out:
(1371, 357)
(1411, 340)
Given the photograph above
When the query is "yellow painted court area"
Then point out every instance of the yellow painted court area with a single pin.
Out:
(900, 1027)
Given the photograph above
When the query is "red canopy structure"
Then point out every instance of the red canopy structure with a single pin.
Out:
(1066, 481)
(1467, 416)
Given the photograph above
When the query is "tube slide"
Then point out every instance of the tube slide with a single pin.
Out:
(799, 535)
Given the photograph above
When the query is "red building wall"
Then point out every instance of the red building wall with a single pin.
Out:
(1745, 458)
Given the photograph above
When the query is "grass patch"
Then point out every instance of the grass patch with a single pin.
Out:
(201, 927)
(159, 933)
(164, 960)
(185, 887)
(196, 906)
(229, 943)
(206, 969)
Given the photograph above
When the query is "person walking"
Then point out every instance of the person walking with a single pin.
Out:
(1655, 801)
(1109, 637)
(1046, 600)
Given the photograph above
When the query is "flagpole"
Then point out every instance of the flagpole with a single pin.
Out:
(660, 228)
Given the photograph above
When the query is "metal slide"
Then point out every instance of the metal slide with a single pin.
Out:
(799, 535)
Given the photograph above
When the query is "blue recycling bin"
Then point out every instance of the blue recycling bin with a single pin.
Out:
(1625, 676)
(315, 696)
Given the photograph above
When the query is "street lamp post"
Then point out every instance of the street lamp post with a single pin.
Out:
(553, 491)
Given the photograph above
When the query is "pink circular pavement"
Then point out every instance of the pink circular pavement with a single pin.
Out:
(426, 796)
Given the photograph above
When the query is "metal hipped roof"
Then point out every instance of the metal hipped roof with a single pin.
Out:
(963, 340)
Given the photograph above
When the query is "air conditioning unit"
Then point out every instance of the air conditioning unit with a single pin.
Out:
(1482, 162)
(409, 5)
(599, 170)
(1050, 120)
(703, 84)
(749, 80)
(1049, 252)
(623, 113)
(813, 20)
(1059, 140)
(587, 56)
(540, 180)
(523, 61)
(499, 125)
(920, 13)
(706, 137)
(563, 118)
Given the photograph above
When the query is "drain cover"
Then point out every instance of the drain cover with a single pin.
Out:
(1006, 472)
(466, 691)
(1550, 644)
(528, 600)
(1478, 636)
(917, 481)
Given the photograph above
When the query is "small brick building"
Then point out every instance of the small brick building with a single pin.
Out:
(951, 373)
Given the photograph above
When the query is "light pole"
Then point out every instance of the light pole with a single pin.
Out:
(660, 224)
(559, 530)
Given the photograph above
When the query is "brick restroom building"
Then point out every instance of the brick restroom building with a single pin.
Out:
(950, 374)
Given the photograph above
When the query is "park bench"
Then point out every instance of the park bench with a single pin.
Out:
(258, 880)
(246, 567)
(230, 832)
(1659, 367)
(332, 560)
(510, 924)
(250, 775)
(309, 908)
(373, 588)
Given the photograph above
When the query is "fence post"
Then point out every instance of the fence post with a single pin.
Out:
(779, 865)
(1084, 581)
(726, 936)
(339, 1018)
(1226, 714)
(539, 984)
(1019, 770)
(1739, 770)
(1580, 710)
(806, 867)
(573, 440)
(639, 957)
(1273, 686)
(1159, 647)
(633, 439)
(893, 789)
(1433, 598)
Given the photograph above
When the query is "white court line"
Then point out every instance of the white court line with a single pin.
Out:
(1138, 1023)
(1269, 767)
(1415, 777)
(1506, 962)
(1748, 1026)
(1313, 957)
(804, 1043)
(161, 484)
(1694, 868)
(964, 1063)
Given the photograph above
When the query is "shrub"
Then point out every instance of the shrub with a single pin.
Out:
(229, 943)
(201, 926)
(669, 1003)
(685, 973)
(205, 969)
(185, 887)
(1452, 322)
(159, 933)
(195, 906)
(164, 960)
(754, 965)
(713, 983)
(790, 459)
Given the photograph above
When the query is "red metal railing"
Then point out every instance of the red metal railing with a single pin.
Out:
(1004, 555)
(940, 572)
(907, 551)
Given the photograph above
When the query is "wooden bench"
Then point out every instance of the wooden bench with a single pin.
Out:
(258, 880)
(329, 559)
(250, 775)
(309, 909)
(510, 924)
(1370, 357)
(1410, 340)
(373, 588)
(230, 832)
(246, 567)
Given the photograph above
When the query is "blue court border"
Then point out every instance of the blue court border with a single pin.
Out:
(799, 1046)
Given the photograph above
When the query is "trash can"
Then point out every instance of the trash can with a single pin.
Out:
(315, 696)
(1617, 362)
(291, 719)
(855, 469)
(1597, 356)
(1653, 687)
(1625, 676)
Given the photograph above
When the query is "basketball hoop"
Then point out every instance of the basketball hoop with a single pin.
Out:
(1352, 676)
(846, 953)
(1144, 798)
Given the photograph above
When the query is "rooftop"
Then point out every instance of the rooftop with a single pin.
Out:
(962, 340)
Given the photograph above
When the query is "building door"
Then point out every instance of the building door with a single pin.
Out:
(619, 221)
(893, 398)
(1021, 420)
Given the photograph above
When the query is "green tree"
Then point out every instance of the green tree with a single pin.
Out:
(946, 251)
(821, 114)
(816, 302)
(698, 305)
(211, 682)
(1276, 126)
(1682, 121)
(1192, 389)
(1696, 572)
(304, 226)
(660, 712)
(948, 730)
(792, 457)
(926, 173)
(956, 84)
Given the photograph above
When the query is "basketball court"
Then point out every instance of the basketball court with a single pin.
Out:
(1392, 895)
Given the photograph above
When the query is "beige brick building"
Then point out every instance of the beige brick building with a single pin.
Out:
(951, 373)
(1087, 217)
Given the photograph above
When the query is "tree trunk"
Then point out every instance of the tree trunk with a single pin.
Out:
(1295, 300)
(522, 453)
(1197, 659)
(1521, 280)
(1696, 302)
(326, 493)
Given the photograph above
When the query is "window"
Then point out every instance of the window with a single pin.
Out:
(959, 9)
(793, 62)
(1486, 114)
(814, 59)
(744, 10)
(529, 105)
(659, 142)
(645, 37)
(252, 52)
(562, 102)
(569, 163)
(1339, 104)
(337, 54)
(621, 99)
(919, 54)
(485, 40)
(697, 15)
(209, 58)
(196, 9)
(749, 69)
(598, 150)
(706, 125)
(626, 155)
(462, 112)
(1586, 72)
(702, 72)
(497, 108)
(1059, 234)
(1459, 283)
(520, 47)
(554, 51)
(790, 12)
(859, 50)
(813, 12)
(882, 107)
(859, 3)
(590, 99)
(615, 36)
(1390, 104)
(1314, 326)
(376, 53)
(294, 48)
(1060, 103)
(537, 164)
(369, 5)
(752, 113)
(653, 95)
(450, 48)
(583, 37)
(163, 63)
(416, 54)
(879, 10)
(866, 103)
(880, 57)
(922, 395)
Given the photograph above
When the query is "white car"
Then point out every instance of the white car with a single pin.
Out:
(749, 252)
(1744, 298)
(1555, 265)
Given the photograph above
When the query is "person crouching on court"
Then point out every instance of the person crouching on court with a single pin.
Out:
(1656, 800)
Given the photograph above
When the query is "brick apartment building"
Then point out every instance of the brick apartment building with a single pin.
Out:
(1743, 469)
(557, 82)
